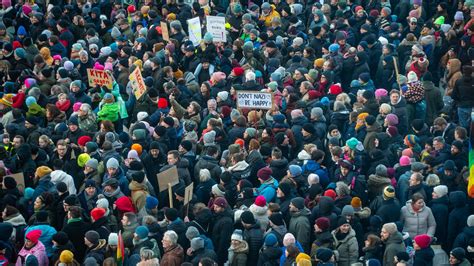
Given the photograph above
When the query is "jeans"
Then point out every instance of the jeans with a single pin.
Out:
(464, 116)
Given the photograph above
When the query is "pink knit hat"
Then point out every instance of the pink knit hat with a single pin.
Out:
(392, 119)
(405, 160)
(379, 93)
(218, 76)
(30, 82)
(76, 106)
(98, 66)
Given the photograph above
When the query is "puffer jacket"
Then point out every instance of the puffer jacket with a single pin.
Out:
(299, 226)
(38, 251)
(424, 257)
(47, 233)
(347, 248)
(254, 238)
(376, 185)
(173, 256)
(393, 245)
(238, 255)
(417, 223)
(454, 73)
(260, 214)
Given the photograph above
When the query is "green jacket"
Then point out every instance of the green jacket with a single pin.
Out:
(109, 111)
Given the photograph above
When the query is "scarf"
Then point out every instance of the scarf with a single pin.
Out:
(73, 220)
(63, 106)
(5, 110)
(340, 235)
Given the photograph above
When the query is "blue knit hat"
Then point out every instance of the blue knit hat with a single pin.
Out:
(21, 53)
(151, 202)
(30, 100)
(295, 170)
(28, 193)
(270, 240)
(334, 47)
(142, 232)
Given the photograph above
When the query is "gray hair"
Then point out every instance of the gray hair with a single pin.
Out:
(432, 180)
(147, 254)
(172, 236)
(204, 175)
(391, 228)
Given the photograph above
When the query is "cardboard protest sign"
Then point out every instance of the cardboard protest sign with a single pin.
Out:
(20, 180)
(188, 193)
(99, 77)
(169, 176)
(194, 28)
(164, 31)
(137, 83)
(216, 26)
(254, 100)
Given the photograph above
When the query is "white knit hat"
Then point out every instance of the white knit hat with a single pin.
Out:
(237, 235)
(441, 190)
(412, 77)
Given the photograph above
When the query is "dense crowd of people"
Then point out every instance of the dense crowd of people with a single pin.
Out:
(362, 158)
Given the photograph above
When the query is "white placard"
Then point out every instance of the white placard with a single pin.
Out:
(194, 28)
(216, 26)
(254, 100)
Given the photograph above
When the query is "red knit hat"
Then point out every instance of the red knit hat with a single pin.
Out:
(323, 223)
(238, 71)
(261, 201)
(34, 235)
(131, 9)
(82, 141)
(335, 89)
(124, 204)
(423, 241)
(264, 173)
(97, 213)
(330, 193)
(241, 142)
(221, 202)
(358, 8)
(162, 103)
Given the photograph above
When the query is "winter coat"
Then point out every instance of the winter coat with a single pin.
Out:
(260, 214)
(139, 192)
(209, 163)
(439, 207)
(323, 240)
(417, 223)
(38, 251)
(462, 240)
(462, 92)
(424, 257)
(46, 238)
(269, 256)
(239, 255)
(97, 251)
(347, 248)
(221, 233)
(434, 101)
(254, 238)
(393, 245)
(60, 176)
(454, 74)
(76, 230)
(300, 227)
(268, 189)
(173, 256)
(458, 216)
(376, 185)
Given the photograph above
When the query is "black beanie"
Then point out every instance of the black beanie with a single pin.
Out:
(138, 176)
(247, 217)
(61, 238)
(171, 214)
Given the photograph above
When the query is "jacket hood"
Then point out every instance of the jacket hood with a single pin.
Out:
(349, 236)
(326, 206)
(258, 211)
(6, 230)
(427, 254)
(279, 163)
(15, 220)
(303, 212)
(396, 238)
(457, 199)
(240, 166)
(59, 176)
(134, 186)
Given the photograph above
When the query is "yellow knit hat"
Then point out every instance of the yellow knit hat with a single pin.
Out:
(66, 256)
(82, 159)
(302, 258)
(42, 171)
(319, 62)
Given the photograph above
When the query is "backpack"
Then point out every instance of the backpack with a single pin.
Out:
(359, 188)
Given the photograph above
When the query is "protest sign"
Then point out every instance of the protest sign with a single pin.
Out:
(137, 83)
(20, 180)
(216, 26)
(254, 100)
(188, 193)
(99, 77)
(164, 31)
(169, 176)
(194, 28)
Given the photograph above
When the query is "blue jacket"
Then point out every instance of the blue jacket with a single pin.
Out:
(268, 189)
(283, 256)
(47, 233)
(312, 167)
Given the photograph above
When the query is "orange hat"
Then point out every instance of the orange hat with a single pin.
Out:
(43, 171)
(362, 116)
(137, 147)
(319, 62)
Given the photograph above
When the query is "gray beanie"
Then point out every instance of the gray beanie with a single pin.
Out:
(209, 138)
(115, 33)
(348, 210)
(93, 163)
(317, 112)
(112, 163)
(381, 170)
(470, 220)
(92, 236)
(197, 243)
(192, 233)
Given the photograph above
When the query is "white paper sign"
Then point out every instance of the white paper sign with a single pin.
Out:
(216, 26)
(254, 100)
(194, 28)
